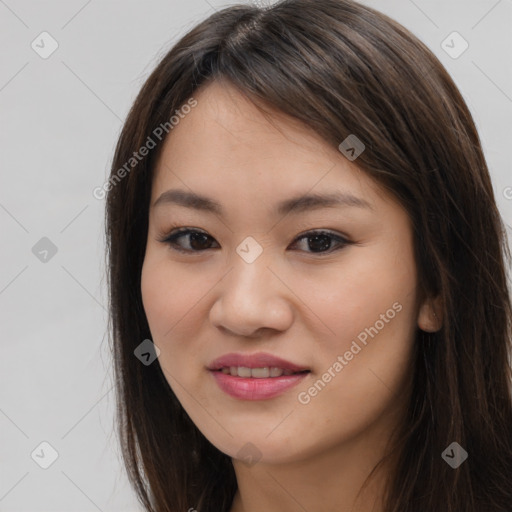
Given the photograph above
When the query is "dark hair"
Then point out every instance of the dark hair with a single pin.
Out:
(341, 68)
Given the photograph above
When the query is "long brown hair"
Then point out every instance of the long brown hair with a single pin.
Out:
(341, 68)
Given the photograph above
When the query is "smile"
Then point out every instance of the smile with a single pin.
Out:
(256, 373)
(257, 376)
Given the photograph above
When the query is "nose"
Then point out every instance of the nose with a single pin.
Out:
(252, 300)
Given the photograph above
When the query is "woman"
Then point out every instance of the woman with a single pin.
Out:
(301, 226)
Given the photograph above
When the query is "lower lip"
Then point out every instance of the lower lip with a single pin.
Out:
(256, 389)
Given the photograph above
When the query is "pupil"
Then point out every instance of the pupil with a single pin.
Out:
(197, 237)
(317, 239)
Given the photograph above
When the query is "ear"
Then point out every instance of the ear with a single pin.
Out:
(430, 315)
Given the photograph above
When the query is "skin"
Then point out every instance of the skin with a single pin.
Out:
(293, 301)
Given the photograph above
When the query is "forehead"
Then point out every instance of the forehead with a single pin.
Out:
(226, 145)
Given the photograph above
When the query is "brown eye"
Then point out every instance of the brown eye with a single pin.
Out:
(322, 241)
(195, 241)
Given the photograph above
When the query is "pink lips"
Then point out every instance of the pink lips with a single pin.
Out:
(252, 388)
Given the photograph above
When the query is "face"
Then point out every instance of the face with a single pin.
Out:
(325, 288)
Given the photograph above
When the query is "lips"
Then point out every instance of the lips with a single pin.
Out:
(257, 376)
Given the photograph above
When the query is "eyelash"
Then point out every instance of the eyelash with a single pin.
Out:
(176, 234)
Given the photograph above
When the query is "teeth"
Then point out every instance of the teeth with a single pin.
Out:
(256, 373)
(276, 372)
(260, 373)
(243, 371)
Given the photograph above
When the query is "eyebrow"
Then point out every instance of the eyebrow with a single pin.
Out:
(296, 204)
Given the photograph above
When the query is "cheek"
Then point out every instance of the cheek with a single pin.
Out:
(346, 299)
(174, 300)
(368, 317)
(170, 296)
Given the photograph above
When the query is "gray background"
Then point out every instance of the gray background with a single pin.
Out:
(60, 118)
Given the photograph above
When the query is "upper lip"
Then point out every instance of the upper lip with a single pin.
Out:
(259, 360)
